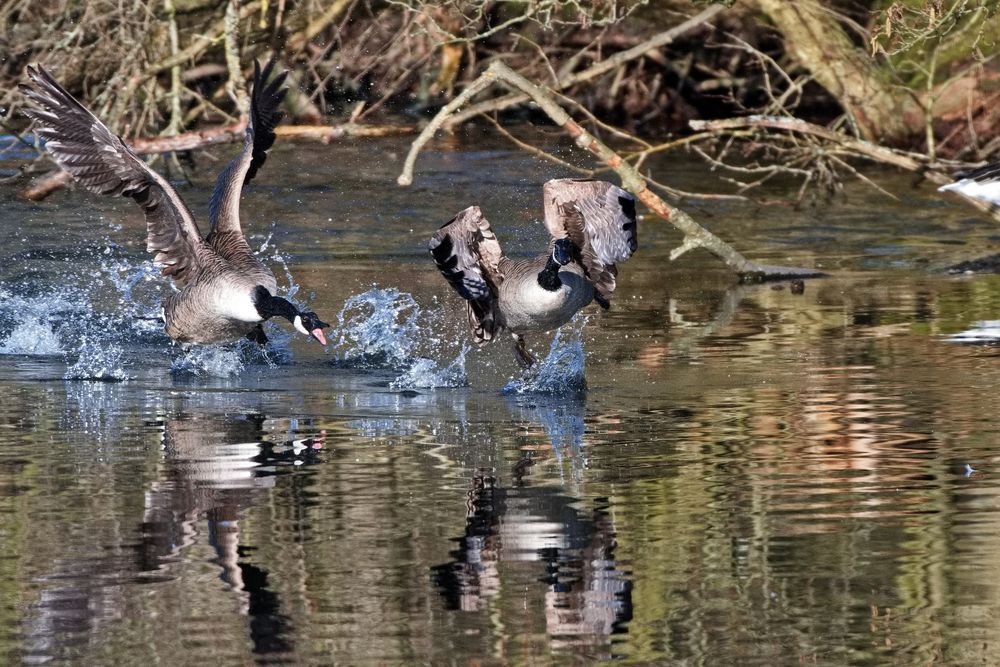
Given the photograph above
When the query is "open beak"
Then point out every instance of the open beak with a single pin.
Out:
(317, 333)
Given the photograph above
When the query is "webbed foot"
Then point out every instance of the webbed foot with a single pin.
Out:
(521, 353)
(258, 336)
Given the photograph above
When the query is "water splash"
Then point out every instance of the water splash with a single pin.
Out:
(33, 336)
(386, 328)
(982, 332)
(378, 328)
(30, 323)
(90, 315)
(208, 361)
(232, 359)
(99, 318)
(98, 362)
(425, 373)
(562, 371)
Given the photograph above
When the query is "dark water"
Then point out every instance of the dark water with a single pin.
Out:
(753, 476)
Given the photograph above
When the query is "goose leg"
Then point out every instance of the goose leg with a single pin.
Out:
(258, 336)
(521, 353)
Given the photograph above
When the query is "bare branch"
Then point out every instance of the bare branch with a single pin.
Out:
(656, 42)
(694, 234)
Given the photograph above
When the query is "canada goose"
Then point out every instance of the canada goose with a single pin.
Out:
(982, 183)
(593, 227)
(224, 291)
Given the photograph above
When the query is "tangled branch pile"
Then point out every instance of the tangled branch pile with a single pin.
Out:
(918, 77)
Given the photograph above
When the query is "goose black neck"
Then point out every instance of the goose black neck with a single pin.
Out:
(548, 277)
(269, 306)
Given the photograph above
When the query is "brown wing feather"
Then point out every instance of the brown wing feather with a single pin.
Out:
(468, 255)
(600, 220)
(102, 163)
(226, 234)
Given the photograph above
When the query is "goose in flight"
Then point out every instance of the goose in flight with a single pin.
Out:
(224, 291)
(593, 228)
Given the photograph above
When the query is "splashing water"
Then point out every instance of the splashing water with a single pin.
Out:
(208, 361)
(562, 371)
(66, 319)
(98, 362)
(379, 328)
(31, 323)
(100, 317)
(384, 328)
(33, 336)
(231, 360)
(426, 374)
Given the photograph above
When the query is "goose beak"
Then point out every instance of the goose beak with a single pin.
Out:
(317, 333)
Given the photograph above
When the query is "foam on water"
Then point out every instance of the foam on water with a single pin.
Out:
(562, 371)
(386, 328)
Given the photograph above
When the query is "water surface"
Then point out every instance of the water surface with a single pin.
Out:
(752, 476)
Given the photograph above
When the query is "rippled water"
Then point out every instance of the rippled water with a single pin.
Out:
(740, 475)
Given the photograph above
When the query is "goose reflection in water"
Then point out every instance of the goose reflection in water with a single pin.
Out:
(217, 468)
(542, 532)
(214, 467)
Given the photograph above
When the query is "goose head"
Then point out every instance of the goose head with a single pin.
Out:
(306, 321)
(309, 323)
(564, 251)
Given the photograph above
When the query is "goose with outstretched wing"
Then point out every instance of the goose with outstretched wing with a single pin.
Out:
(593, 229)
(224, 291)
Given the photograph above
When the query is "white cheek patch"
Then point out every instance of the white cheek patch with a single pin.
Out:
(298, 325)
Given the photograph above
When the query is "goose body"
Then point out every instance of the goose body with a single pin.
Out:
(593, 227)
(218, 308)
(527, 306)
(224, 291)
(982, 183)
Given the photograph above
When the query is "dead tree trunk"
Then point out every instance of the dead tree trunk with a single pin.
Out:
(817, 41)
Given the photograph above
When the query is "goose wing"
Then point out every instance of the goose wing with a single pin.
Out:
(468, 255)
(981, 183)
(226, 234)
(102, 163)
(600, 220)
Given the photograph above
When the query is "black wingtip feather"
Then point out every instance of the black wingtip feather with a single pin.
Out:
(267, 95)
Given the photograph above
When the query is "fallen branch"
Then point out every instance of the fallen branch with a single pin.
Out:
(222, 134)
(695, 236)
(914, 162)
(324, 133)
